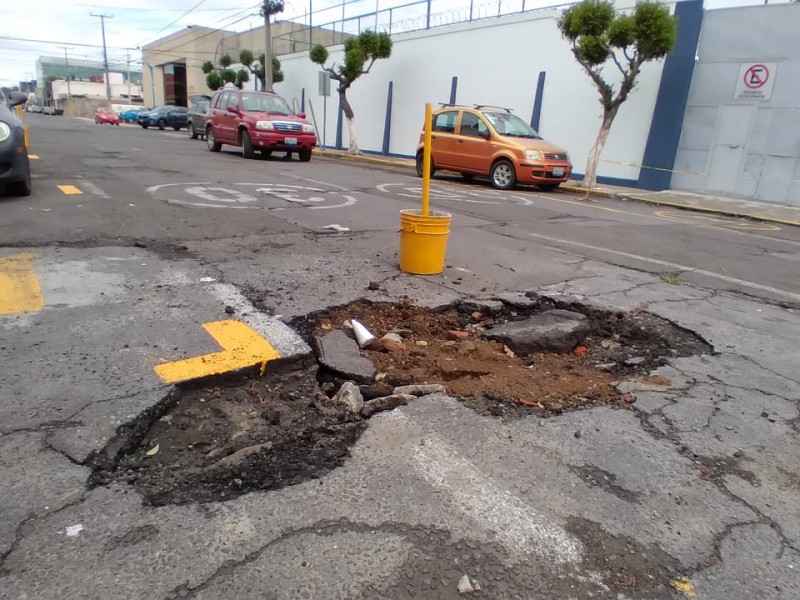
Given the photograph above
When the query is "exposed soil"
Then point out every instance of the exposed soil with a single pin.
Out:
(216, 440)
(491, 378)
(220, 441)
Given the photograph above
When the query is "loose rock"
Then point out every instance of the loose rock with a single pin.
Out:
(552, 331)
(229, 310)
(391, 342)
(635, 361)
(349, 395)
(421, 343)
(464, 586)
(385, 403)
(455, 334)
(340, 353)
(421, 389)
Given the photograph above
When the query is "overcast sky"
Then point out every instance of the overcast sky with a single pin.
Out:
(42, 27)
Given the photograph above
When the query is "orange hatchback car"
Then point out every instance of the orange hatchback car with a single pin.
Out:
(493, 142)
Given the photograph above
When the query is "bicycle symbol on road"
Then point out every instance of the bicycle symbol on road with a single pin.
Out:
(250, 196)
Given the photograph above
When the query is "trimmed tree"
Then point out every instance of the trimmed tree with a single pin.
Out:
(596, 35)
(358, 51)
(257, 68)
(216, 77)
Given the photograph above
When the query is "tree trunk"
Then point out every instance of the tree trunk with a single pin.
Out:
(351, 124)
(590, 179)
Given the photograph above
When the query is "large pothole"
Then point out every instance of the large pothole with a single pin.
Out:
(218, 441)
(451, 347)
(215, 440)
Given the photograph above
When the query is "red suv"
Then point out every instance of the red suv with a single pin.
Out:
(259, 121)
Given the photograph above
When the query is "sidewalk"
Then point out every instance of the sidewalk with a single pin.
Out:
(736, 207)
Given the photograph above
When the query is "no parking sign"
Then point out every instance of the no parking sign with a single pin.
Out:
(756, 80)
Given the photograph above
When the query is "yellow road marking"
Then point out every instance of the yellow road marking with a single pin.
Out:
(19, 286)
(241, 348)
(69, 190)
(33, 156)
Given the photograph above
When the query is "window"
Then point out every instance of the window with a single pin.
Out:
(445, 122)
(233, 99)
(255, 102)
(473, 125)
(223, 100)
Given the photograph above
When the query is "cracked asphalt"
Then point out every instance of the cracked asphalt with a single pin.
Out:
(699, 479)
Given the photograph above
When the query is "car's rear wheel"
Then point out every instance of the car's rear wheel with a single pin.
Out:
(211, 141)
(162, 124)
(192, 132)
(468, 176)
(247, 145)
(304, 155)
(420, 165)
(503, 175)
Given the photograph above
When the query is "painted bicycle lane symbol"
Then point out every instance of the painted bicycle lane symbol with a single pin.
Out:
(439, 193)
(250, 196)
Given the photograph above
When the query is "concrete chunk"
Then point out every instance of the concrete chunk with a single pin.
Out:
(349, 395)
(552, 331)
(340, 353)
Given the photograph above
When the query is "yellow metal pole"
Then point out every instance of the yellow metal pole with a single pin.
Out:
(426, 161)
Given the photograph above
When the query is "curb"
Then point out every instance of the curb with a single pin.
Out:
(573, 189)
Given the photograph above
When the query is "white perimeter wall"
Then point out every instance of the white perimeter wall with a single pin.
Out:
(497, 61)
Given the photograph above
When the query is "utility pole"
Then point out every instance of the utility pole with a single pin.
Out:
(269, 8)
(105, 54)
(267, 47)
(69, 87)
(128, 57)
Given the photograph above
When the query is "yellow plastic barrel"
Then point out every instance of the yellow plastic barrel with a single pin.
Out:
(423, 241)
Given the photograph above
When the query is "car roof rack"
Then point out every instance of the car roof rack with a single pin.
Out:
(443, 104)
(480, 106)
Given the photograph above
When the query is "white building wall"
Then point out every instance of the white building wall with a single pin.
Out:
(94, 90)
(497, 61)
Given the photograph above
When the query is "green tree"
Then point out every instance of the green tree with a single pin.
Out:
(218, 76)
(597, 34)
(257, 68)
(358, 51)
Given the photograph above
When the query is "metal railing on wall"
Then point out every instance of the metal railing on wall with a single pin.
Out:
(404, 18)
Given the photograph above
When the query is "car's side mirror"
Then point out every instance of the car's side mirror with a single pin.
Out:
(301, 115)
(17, 98)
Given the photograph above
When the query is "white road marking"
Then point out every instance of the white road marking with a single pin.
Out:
(517, 524)
(94, 189)
(674, 266)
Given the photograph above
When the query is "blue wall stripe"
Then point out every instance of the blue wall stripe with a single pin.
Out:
(536, 115)
(673, 94)
(453, 89)
(339, 126)
(387, 126)
(606, 180)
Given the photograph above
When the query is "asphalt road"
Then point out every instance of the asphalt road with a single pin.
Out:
(157, 236)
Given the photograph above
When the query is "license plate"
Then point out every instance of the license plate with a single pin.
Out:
(558, 171)
(293, 142)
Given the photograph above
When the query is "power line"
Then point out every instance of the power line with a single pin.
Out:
(172, 23)
(19, 39)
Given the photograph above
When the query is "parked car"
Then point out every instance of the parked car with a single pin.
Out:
(257, 121)
(15, 168)
(48, 110)
(132, 114)
(197, 118)
(166, 116)
(493, 142)
(103, 115)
